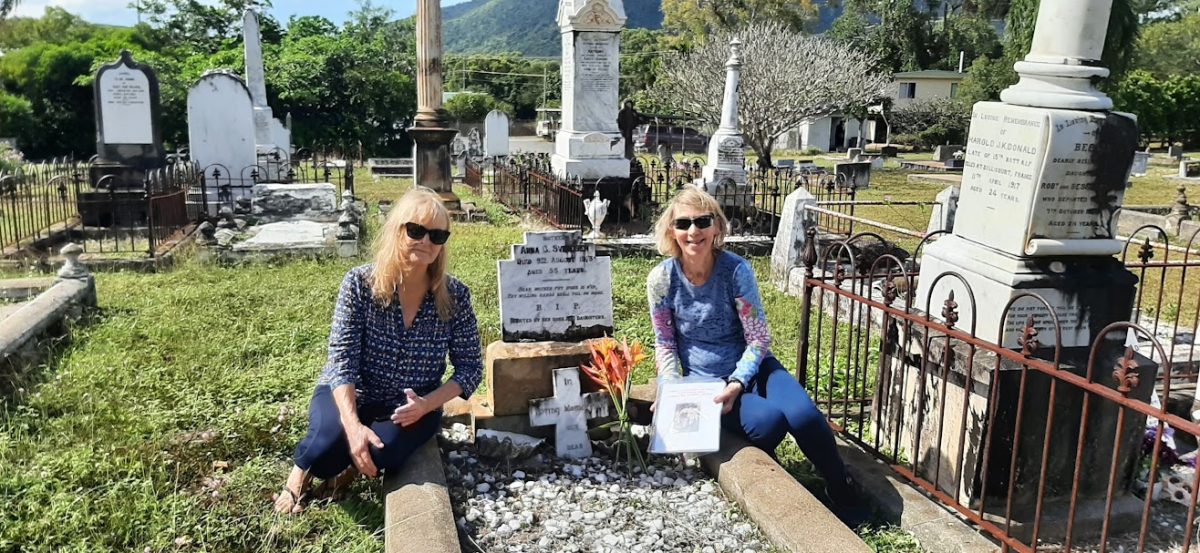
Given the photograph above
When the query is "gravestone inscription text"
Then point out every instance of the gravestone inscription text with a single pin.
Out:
(555, 288)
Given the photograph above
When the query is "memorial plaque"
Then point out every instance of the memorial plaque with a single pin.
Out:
(1189, 169)
(731, 151)
(126, 114)
(1141, 163)
(596, 61)
(555, 288)
(1045, 182)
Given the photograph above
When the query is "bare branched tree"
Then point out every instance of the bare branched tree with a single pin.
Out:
(786, 77)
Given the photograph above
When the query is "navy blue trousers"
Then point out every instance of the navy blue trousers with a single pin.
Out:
(325, 453)
(775, 405)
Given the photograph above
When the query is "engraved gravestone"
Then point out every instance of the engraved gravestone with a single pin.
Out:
(555, 288)
(1036, 214)
(569, 412)
(128, 138)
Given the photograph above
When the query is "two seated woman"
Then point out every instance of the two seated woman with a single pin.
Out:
(380, 394)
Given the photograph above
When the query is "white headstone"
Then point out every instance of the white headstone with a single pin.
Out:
(569, 412)
(789, 242)
(941, 217)
(854, 174)
(221, 124)
(591, 44)
(125, 110)
(495, 134)
(555, 288)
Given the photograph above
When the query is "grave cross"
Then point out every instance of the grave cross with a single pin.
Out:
(569, 412)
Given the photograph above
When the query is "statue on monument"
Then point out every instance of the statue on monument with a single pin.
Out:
(627, 121)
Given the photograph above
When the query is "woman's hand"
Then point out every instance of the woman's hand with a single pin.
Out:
(412, 410)
(361, 437)
(728, 396)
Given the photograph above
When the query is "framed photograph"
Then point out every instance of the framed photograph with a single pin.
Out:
(686, 420)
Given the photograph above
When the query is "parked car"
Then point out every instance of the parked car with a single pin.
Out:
(681, 139)
(548, 122)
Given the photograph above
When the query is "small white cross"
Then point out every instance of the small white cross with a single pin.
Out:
(569, 412)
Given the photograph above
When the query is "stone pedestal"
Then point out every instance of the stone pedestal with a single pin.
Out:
(432, 162)
(518, 372)
(589, 144)
(1087, 292)
(956, 465)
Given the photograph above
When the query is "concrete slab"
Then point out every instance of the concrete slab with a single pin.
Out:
(938, 529)
(417, 512)
(936, 178)
(287, 236)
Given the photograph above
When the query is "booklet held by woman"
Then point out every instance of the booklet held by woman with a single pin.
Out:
(685, 419)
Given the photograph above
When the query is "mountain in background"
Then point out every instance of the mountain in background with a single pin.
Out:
(525, 26)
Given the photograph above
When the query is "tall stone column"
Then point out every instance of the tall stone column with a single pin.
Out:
(1063, 64)
(431, 157)
(727, 148)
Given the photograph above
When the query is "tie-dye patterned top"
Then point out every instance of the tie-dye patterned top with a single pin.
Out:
(717, 329)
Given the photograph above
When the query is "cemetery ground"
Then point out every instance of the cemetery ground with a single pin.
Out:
(169, 419)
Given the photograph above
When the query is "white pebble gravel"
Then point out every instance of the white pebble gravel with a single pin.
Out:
(589, 505)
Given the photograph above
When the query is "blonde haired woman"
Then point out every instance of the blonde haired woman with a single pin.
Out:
(708, 320)
(380, 394)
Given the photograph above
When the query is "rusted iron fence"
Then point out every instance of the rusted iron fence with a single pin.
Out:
(1042, 447)
(221, 186)
(527, 182)
(44, 204)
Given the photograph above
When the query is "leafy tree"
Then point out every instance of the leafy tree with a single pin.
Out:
(927, 123)
(786, 77)
(1167, 108)
(472, 107)
(895, 32)
(6, 7)
(523, 83)
(700, 18)
(972, 35)
(1170, 47)
(56, 25)
(53, 79)
(16, 118)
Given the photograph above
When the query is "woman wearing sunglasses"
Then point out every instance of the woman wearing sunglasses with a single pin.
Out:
(380, 394)
(708, 320)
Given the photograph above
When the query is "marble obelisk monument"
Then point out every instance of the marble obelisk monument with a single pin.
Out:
(589, 143)
(270, 135)
(727, 148)
(1045, 174)
(432, 155)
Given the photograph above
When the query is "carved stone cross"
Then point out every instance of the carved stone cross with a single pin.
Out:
(569, 412)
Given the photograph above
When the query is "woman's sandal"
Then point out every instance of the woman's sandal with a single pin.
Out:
(288, 503)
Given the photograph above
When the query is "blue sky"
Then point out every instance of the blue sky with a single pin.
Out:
(118, 12)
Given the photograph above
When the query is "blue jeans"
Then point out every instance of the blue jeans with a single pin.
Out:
(774, 405)
(325, 453)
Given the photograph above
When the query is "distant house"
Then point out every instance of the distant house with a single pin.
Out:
(911, 86)
(835, 132)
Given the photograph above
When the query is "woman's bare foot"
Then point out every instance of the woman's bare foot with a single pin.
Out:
(291, 498)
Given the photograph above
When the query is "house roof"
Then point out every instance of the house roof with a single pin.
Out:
(929, 74)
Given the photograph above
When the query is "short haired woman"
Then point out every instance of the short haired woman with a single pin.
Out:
(708, 320)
